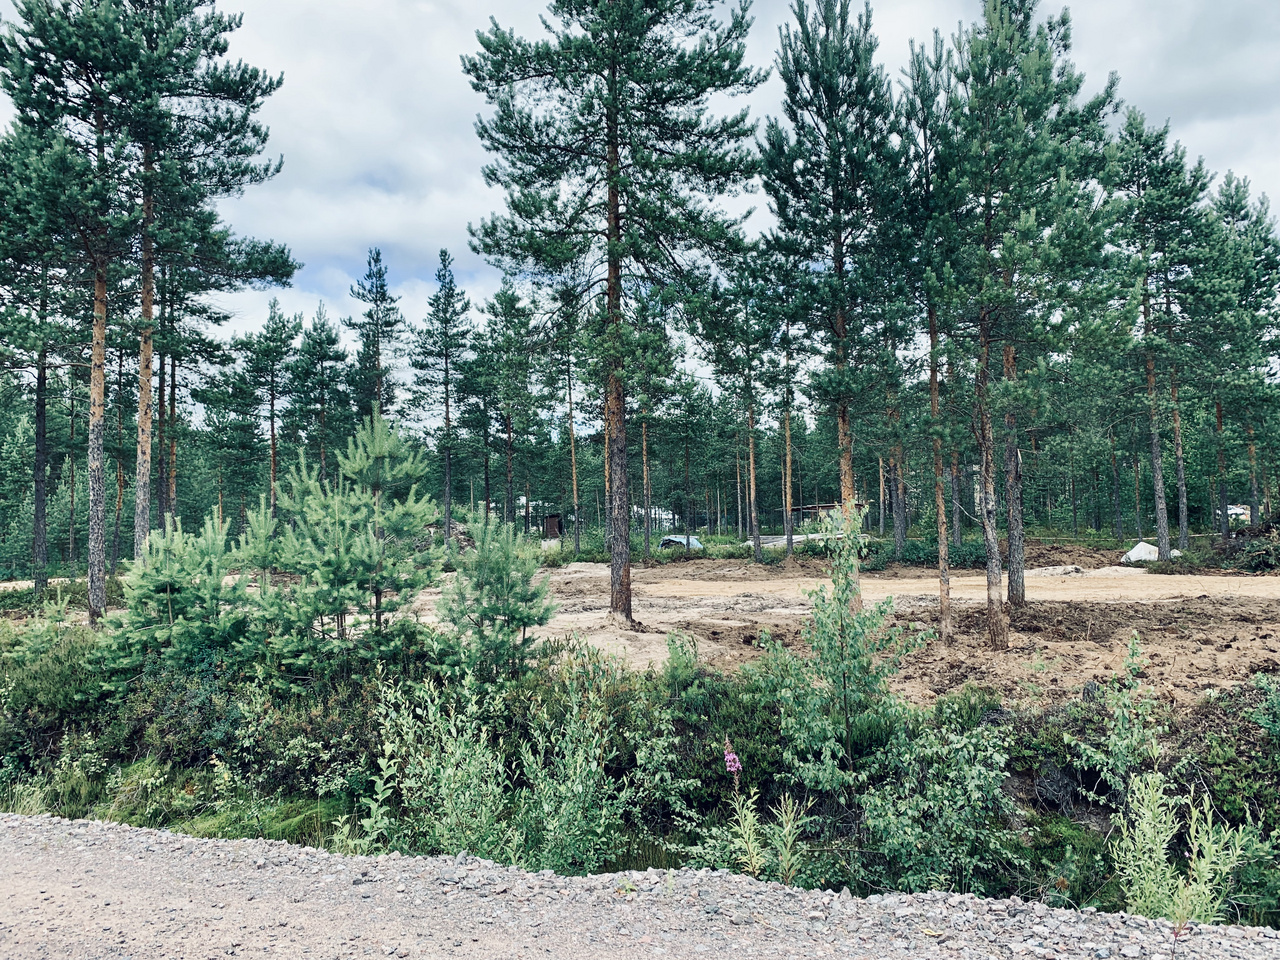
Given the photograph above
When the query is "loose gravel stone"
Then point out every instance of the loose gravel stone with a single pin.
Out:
(79, 889)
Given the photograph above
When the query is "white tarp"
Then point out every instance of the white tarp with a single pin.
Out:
(1144, 553)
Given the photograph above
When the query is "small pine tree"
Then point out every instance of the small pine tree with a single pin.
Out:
(495, 599)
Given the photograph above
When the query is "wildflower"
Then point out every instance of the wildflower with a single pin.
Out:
(731, 763)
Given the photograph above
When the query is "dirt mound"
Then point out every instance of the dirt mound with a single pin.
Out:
(1199, 632)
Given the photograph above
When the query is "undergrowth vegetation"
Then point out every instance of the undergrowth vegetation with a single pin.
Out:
(286, 686)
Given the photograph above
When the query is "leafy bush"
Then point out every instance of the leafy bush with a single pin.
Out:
(449, 782)
(1153, 885)
(1130, 736)
(935, 809)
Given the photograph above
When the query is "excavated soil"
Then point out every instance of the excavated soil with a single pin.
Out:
(1197, 632)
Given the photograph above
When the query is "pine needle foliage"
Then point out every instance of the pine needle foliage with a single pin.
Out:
(495, 599)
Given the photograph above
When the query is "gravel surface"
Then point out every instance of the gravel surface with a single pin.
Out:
(93, 890)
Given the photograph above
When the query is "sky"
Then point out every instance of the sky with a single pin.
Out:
(375, 120)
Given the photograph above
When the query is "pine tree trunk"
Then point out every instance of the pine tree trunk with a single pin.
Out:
(997, 619)
(1097, 501)
(1180, 462)
(1013, 494)
(142, 481)
(1137, 494)
(488, 496)
(509, 508)
(648, 492)
(271, 416)
(898, 497)
(448, 455)
(883, 506)
(162, 445)
(1115, 489)
(738, 455)
(939, 495)
(115, 536)
(751, 481)
(787, 503)
(173, 436)
(40, 529)
(1163, 546)
(615, 403)
(573, 468)
(1255, 507)
(72, 555)
(957, 507)
(96, 458)
(688, 496)
(1224, 496)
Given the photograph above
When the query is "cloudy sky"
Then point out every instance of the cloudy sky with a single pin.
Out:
(375, 119)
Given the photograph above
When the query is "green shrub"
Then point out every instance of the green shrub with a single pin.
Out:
(494, 600)
(1153, 885)
(48, 686)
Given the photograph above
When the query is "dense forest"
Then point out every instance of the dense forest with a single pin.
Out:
(987, 300)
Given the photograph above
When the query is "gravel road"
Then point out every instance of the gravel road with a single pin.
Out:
(81, 889)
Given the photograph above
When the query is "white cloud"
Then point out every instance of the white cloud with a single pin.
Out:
(375, 120)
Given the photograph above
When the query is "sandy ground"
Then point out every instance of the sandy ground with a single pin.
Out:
(1198, 632)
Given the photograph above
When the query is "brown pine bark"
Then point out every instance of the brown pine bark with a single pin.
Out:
(40, 532)
(142, 482)
(573, 468)
(615, 403)
(1180, 463)
(939, 495)
(1013, 493)
(96, 457)
(997, 617)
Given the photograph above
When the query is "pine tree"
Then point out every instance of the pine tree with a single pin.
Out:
(1026, 148)
(1160, 230)
(318, 414)
(66, 69)
(509, 358)
(926, 129)
(193, 122)
(830, 176)
(379, 332)
(606, 149)
(438, 347)
(268, 357)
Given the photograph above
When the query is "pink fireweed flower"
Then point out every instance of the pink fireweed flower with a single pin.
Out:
(731, 763)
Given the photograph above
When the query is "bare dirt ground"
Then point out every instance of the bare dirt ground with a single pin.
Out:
(1198, 632)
